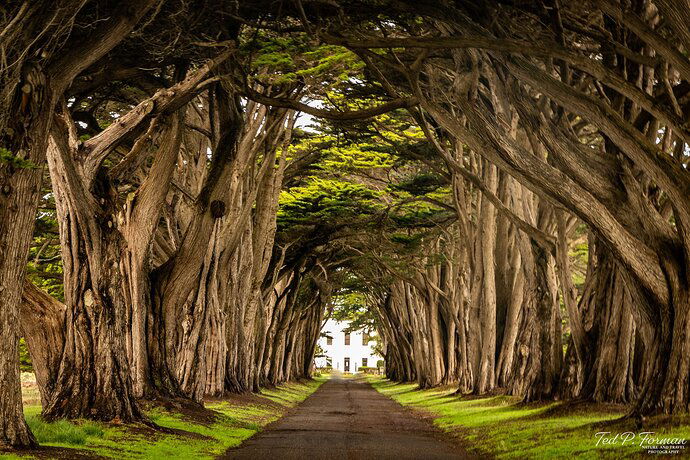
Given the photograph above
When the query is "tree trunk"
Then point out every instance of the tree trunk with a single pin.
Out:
(183, 317)
(538, 355)
(93, 379)
(43, 328)
(485, 378)
(512, 329)
(666, 382)
(609, 366)
(25, 137)
(14, 431)
(607, 371)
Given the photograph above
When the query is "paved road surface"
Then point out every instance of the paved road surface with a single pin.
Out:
(348, 419)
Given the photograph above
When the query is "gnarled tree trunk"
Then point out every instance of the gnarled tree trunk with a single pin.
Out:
(606, 373)
(20, 186)
(93, 377)
(43, 328)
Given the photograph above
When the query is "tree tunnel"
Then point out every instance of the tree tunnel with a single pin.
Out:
(503, 187)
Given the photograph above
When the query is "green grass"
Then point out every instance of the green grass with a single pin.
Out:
(504, 427)
(289, 395)
(64, 432)
(235, 423)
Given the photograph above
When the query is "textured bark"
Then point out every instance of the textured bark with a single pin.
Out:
(247, 270)
(138, 223)
(459, 280)
(568, 292)
(537, 362)
(189, 290)
(424, 319)
(666, 382)
(30, 100)
(291, 335)
(183, 317)
(19, 193)
(14, 432)
(509, 284)
(504, 369)
(97, 244)
(105, 244)
(398, 355)
(607, 372)
(485, 377)
(278, 333)
(42, 322)
(93, 377)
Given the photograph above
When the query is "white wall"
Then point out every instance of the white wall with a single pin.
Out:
(338, 351)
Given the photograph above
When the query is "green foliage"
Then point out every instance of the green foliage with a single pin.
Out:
(421, 184)
(410, 242)
(319, 352)
(351, 304)
(581, 252)
(359, 180)
(44, 267)
(323, 201)
(355, 157)
(419, 215)
(579, 256)
(18, 162)
(292, 58)
(366, 370)
(25, 364)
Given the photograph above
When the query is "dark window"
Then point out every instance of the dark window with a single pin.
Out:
(365, 339)
(347, 339)
(364, 362)
(346, 366)
(329, 340)
(329, 362)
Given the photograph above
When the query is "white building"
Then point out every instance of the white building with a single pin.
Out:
(345, 352)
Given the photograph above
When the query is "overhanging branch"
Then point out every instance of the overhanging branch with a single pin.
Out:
(348, 115)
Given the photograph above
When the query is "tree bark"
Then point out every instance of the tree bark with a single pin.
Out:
(607, 370)
(19, 194)
(537, 363)
(43, 328)
(93, 378)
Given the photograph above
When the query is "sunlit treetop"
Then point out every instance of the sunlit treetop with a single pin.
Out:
(325, 200)
(296, 59)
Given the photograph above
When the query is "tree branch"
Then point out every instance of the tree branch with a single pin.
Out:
(165, 101)
(79, 56)
(348, 115)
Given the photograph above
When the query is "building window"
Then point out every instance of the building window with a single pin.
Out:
(347, 338)
(365, 340)
(364, 362)
(329, 340)
(346, 366)
(329, 362)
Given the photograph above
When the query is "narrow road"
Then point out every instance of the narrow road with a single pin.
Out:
(348, 419)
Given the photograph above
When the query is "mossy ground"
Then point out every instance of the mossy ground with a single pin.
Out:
(504, 427)
(236, 421)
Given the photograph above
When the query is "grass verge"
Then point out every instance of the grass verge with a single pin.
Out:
(236, 420)
(503, 427)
